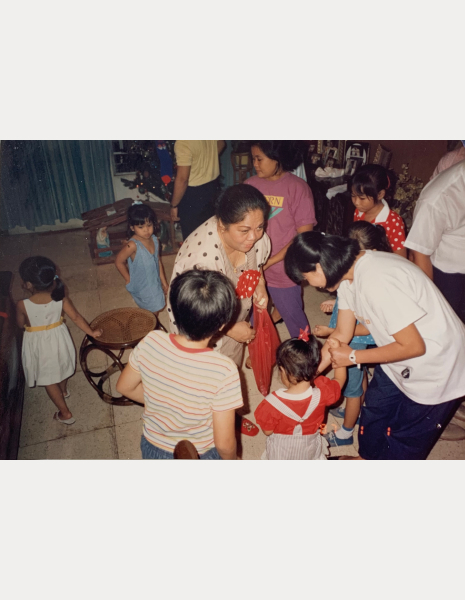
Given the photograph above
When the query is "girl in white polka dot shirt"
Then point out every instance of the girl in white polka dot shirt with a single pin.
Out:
(369, 188)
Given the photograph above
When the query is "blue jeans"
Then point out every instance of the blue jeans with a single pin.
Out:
(155, 453)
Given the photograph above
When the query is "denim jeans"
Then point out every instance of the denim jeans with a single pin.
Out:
(155, 453)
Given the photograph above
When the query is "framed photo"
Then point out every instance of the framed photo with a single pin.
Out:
(312, 147)
(331, 149)
(382, 156)
(356, 155)
(315, 159)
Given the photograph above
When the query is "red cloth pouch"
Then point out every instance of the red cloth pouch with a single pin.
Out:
(262, 349)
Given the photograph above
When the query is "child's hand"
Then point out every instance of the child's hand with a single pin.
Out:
(327, 306)
(334, 343)
(322, 331)
(97, 333)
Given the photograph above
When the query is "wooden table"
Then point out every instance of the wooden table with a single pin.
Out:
(122, 328)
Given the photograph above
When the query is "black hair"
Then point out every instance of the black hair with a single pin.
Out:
(299, 359)
(202, 302)
(236, 201)
(370, 236)
(370, 180)
(138, 214)
(289, 154)
(41, 272)
(334, 253)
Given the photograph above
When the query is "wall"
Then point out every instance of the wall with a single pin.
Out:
(421, 155)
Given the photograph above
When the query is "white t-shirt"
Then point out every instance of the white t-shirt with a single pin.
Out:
(389, 293)
(438, 228)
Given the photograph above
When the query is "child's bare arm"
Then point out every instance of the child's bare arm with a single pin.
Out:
(361, 330)
(78, 319)
(21, 315)
(122, 257)
(224, 434)
(164, 282)
(267, 432)
(340, 374)
(130, 385)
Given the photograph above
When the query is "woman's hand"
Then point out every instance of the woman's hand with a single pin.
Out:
(260, 296)
(339, 353)
(242, 332)
(174, 213)
(327, 306)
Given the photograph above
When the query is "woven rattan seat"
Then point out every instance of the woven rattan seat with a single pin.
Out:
(123, 326)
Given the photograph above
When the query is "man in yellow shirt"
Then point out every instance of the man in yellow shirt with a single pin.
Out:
(196, 185)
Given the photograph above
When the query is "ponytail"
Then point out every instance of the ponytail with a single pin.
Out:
(41, 272)
(58, 293)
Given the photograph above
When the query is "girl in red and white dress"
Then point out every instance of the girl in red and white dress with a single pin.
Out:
(370, 186)
(291, 417)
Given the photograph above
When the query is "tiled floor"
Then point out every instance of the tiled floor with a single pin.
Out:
(103, 431)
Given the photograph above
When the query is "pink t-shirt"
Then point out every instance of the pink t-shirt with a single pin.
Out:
(291, 202)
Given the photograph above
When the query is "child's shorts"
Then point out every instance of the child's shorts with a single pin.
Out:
(353, 387)
(155, 453)
(393, 427)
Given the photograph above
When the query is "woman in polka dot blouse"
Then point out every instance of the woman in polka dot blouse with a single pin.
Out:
(370, 185)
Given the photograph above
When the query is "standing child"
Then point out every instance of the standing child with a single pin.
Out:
(370, 186)
(48, 354)
(189, 390)
(369, 237)
(139, 261)
(291, 416)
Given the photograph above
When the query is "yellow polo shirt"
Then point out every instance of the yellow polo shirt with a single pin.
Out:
(201, 156)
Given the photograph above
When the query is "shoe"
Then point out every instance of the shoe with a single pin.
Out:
(65, 421)
(452, 433)
(248, 428)
(460, 413)
(278, 322)
(185, 450)
(340, 413)
(335, 442)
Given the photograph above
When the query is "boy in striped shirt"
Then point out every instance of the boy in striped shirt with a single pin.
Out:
(189, 390)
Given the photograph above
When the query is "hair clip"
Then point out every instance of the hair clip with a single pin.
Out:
(137, 202)
(303, 335)
(56, 277)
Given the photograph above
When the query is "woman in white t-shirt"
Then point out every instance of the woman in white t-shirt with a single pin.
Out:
(420, 377)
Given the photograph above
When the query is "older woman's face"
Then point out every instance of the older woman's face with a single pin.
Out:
(243, 235)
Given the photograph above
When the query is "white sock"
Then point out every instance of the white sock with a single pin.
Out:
(344, 433)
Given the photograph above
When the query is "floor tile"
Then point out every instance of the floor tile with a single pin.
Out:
(128, 440)
(94, 445)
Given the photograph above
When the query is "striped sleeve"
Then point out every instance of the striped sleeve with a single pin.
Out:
(229, 395)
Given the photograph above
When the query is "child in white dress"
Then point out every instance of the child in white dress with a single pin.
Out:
(291, 418)
(48, 353)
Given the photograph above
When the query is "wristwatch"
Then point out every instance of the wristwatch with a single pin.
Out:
(352, 359)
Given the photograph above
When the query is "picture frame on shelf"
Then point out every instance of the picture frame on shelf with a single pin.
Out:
(356, 155)
(331, 149)
(382, 156)
(315, 159)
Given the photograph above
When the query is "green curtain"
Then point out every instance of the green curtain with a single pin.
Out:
(41, 181)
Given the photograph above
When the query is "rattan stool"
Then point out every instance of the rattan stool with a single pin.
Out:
(122, 328)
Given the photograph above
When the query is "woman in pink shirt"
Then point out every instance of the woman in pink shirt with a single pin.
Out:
(292, 211)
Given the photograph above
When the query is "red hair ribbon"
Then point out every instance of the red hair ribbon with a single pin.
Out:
(303, 335)
(4, 315)
(389, 182)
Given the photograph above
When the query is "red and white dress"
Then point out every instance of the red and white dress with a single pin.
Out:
(295, 420)
(392, 223)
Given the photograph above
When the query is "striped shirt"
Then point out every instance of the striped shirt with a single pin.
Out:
(182, 388)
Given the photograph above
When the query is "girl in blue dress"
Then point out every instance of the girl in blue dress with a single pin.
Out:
(139, 261)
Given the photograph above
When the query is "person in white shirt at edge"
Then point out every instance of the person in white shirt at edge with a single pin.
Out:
(420, 372)
(437, 245)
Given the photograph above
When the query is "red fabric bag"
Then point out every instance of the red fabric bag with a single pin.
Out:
(263, 348)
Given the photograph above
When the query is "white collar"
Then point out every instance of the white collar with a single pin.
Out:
(282, 393)
(383, 215)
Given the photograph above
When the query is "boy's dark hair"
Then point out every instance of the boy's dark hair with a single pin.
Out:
(289, 154)
(202, 302)
(334, 253)
(236, 201)
(41, 272)
(370, 180)
(138, 214)
(370, 236)
(299, 359)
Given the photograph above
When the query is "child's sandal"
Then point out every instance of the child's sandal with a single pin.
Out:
(65, 421)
